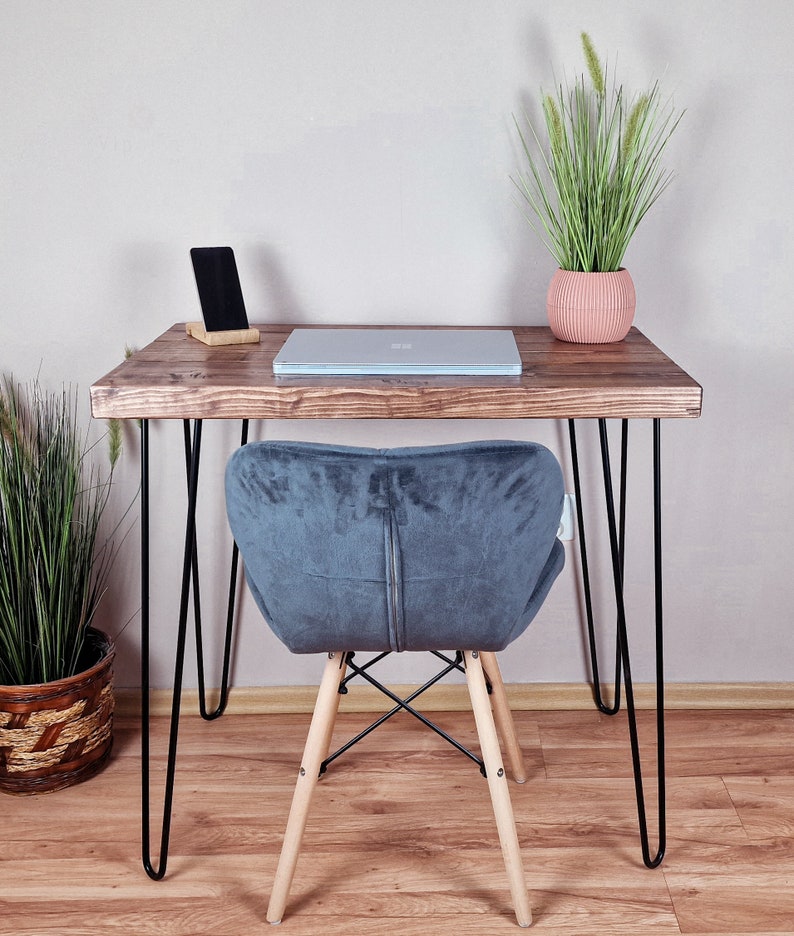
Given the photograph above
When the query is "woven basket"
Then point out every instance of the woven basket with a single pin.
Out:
(56, 734)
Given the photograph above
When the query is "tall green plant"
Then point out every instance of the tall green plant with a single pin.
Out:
(53, 569)
(599, 171)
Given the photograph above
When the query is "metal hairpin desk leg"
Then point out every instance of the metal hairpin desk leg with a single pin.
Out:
(616, 526)
(227, 646)
(189, 574)
(599, 699)
(190, 532)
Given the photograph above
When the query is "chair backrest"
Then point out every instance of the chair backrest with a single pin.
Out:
(426, 548)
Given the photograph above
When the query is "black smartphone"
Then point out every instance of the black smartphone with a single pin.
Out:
(219, 289)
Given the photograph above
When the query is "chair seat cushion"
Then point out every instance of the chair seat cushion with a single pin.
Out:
(422, 548)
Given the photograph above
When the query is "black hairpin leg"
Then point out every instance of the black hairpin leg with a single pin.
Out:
(599, 699)
(190, 576)
(227, 646)
(190, 534)
(616, 525)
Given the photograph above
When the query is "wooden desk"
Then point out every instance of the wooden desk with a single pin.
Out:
(177, 377)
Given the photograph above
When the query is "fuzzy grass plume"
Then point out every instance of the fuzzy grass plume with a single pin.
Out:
(600, 171)
(593, 65)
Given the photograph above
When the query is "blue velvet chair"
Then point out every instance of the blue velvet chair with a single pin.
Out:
(434, 548)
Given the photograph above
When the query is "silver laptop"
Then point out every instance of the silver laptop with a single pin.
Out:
(375, 351)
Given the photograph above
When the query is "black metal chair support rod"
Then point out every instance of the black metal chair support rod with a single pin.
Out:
(402, 704)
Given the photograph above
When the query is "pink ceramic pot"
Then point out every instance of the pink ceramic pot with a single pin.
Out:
(593, 308)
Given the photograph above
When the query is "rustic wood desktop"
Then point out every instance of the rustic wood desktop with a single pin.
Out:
(177, 377)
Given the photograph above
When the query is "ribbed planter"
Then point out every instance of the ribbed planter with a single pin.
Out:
(57, 734)
(592, 308)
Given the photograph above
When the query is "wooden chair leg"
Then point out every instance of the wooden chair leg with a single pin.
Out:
(497, 784)
(315, 751)
(504, 717)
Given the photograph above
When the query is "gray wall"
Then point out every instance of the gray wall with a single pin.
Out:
(357, 157)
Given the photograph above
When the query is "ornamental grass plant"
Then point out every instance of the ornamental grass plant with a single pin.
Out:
(599, 171)
(53, 565)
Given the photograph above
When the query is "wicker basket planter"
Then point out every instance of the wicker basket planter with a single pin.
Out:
(57, 734)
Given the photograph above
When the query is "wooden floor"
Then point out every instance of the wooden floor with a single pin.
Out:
(401, 839)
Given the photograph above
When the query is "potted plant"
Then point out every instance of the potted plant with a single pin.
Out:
(56, 696)
(587, 188)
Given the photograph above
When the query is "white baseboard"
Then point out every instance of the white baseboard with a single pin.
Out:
(262, 700)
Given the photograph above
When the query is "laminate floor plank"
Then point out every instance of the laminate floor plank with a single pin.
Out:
(401, 839)
(765, 805)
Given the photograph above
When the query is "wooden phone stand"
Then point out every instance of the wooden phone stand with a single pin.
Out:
(232, 337)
